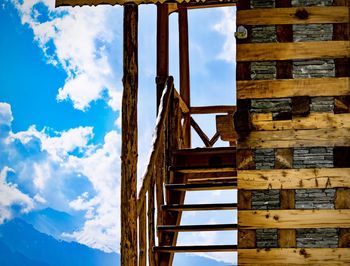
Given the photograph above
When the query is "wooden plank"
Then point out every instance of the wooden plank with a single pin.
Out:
(225, 127)
(292, 50)
(283, 16)
(193, 248)
(312, 121)
(297, 138)
(198, 228)
(294, 178)
(151, 226)
(293, 219)
(261, 89)
(342, 198)
(245, 159)
(128, 209)
(200, 207)
(216, 109)
(142, 236)
(294, 256)
(283, 158)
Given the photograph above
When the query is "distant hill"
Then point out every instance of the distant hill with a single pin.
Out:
(24, 245)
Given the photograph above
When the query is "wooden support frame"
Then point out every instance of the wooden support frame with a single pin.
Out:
(129, 138)
(293, 219)
(289, 15)
(292, 51)
(295, 256)
(320, 178)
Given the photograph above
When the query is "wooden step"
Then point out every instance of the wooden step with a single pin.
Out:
(202, 169)
(227, 184)
(200, 207)
(209, 248)
(196, 228)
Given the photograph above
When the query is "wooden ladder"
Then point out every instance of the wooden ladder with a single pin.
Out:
(195, 170)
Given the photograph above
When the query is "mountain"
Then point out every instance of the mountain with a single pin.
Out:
(21, 241)
(53, 222)
(189, 260)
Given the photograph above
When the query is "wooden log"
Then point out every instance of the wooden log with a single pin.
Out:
(216, 109)
(342, 198)
(151, 226)
(293, 219)
(262, 89)
(242, 123)
(293, 50)
(225, 127)
(342, 104)
(320, 178)
(245, 159)
(184, 70)
(283, 16)
(294, 256)
(313, 121)
(283, 158)
(142, 236)
(297, 138)
(301, 106)
(128, 226)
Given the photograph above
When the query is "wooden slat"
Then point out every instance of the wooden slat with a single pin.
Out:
(284, 16)
(232, 184)
(297, 138)
(294, 178)
(294, 256)
(142, 236)
(312, 121)
(293, 50)
(188, 170)
(213, 109)
(200, 207)
(198, 228)
(262, 89)
(293, 219)
(192, 248)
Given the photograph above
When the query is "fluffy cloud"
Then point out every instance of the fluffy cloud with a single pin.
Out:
(5, 114)
(80, 40)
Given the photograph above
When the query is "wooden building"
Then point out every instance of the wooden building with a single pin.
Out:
(288, 138)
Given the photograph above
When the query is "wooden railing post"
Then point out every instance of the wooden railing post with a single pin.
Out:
(185, 72)
(129, 139)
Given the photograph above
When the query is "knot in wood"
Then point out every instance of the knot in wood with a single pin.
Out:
(302, 13)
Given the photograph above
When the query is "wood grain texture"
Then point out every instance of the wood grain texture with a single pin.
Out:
(297, 138)
(294, 256)
(261, 89)
(225, 127)
(293, 219)
(294, 179)
(283, 16)
(292, 50)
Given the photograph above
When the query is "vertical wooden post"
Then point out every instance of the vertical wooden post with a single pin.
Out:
(128, 226)
(142, 236)
(162, 49)
(185, 71)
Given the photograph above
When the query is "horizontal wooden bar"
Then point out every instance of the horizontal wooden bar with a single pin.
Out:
(262, 89)
(200, 207)
(312, 121)
(292, 50)
(188, 170)
(197, 228)
(231, 184)
(295, 256)
(283, 16)
(297, 138)
(193, 248)
(293, 219)
(217, 109)
(294, 178)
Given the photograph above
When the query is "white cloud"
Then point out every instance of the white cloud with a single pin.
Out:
(10, 195)
(80, 40)
(5, 114)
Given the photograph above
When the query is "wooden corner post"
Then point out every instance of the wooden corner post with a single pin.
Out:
(128, 226)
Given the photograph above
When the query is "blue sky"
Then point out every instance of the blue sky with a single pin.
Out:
(60, 97)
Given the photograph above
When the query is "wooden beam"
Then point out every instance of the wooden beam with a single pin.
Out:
(320, 178)
(312, 121)
(184, 71)
(293, 219)
(283, 16)
(183, 106)
(262, 89)
(213, 109)
(293, 50)
(128, 246)
(294, 256)
(297, 138)
(142, 236)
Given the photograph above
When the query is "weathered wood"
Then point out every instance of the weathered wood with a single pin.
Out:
(183, 106)
(200, 207)
(344, 238)
(294, 50)
(294, 256)
(283, 16)
(216, 109)
(283, 158)
(200, 133)
(287, 238)
(342, 198)
(242, 123)
(142, 236)
(293, 219)
(129, 138)
(261, 89)
(151, 226)
(301, 106)
(294, 178)
(193, 248)
(198, 228)
(184, 71)
(312, 121)
(342, 104)
(146, 181)
(225, 127)
(245, 159)
(297, 138)
(341, 157)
